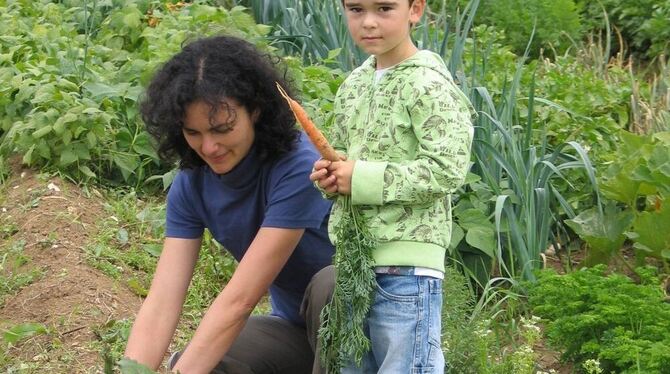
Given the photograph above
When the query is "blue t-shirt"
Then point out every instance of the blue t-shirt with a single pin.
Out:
(235, 205)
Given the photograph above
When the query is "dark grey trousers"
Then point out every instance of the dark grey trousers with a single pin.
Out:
(271, 345)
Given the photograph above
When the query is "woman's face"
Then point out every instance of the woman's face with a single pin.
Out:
(221, 140)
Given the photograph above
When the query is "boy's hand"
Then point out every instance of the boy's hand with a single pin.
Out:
(333, 176)
(342, 171)
(322, 176)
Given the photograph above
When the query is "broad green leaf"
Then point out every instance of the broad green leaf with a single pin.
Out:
(67, 157)
(66, 137)
(28, 156)
(143, 146)
(122, 236)
(43, 149)
(91, 110)
(472, 218)
(82, 151)
(86, 171)
(618, 184)
(132, 18)
(457, 235)
(124, 139)
(42, 131)
(91, 139)
(59, 125)
(653, 229)
(22, 331)
(334, 53)
(168, 178)
(482, 238)
(472, 178)
(100, 90)
(127, 163)
(603, 233)
(153, 249)
(128, 366)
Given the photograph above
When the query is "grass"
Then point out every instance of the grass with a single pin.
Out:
(487, 332)
(15, 269)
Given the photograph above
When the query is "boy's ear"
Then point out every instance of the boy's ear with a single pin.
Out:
(416, 11)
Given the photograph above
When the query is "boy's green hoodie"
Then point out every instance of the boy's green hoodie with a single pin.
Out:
(410, 134)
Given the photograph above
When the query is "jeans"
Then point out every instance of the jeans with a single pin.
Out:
(404, 327)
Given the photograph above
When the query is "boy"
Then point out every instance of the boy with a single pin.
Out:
(406, 131)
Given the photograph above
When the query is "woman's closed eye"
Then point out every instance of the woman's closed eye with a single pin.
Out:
(222, 129)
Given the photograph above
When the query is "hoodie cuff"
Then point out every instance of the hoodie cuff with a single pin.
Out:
(367, 182)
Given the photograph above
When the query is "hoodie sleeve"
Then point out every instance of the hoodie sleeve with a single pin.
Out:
(441, 122)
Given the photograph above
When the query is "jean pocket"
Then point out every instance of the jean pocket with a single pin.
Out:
(402, 288)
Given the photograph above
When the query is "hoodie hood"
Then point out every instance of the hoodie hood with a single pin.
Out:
(422, 59)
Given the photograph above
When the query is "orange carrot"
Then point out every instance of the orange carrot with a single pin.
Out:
(315, 136)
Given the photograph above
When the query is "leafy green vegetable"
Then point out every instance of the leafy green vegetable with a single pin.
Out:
(593, 315)
(603, 231)
(341, 334)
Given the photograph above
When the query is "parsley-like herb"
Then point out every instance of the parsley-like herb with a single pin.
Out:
(341, 333)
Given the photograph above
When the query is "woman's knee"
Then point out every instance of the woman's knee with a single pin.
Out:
(323, 282)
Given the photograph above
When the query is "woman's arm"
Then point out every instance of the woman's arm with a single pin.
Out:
(157, 319)
(227, 315)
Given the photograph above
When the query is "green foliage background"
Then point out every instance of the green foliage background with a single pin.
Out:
(644, 24)
(73, 72)
(593, 315)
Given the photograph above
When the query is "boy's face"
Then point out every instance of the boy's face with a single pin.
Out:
(381, 27)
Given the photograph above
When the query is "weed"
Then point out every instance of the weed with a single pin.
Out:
(13, 275)
(111, 341)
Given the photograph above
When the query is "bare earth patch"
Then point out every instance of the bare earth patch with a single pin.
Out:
(52, 221)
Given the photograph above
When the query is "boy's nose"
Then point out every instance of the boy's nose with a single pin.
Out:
(369, 21)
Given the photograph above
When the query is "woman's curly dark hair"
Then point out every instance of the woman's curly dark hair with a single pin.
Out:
(211, 70)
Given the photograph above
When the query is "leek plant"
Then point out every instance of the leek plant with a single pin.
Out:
(297, 31)
(520, 174)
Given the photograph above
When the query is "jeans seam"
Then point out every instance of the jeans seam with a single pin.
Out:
(423, 325)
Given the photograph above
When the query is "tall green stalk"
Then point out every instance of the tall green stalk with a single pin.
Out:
(297, 31)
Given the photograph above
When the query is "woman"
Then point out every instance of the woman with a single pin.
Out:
(245, 177)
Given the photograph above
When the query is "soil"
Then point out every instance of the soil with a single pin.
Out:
(55, 220)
